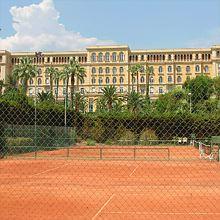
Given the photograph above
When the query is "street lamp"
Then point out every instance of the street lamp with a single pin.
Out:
(190, 101)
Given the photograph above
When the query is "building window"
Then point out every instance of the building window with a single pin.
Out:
(170, 79)
(197, 68)
(39, 90)
(206, 69)
(114, 70)
(142, 90)
(169, 57)
(93, 80)
(31, 81)
(0, 59)
(93, 70)
(160, 90)
(114, 57)
(142, 69)
(107, 57)
(142, 57)
(55, 91)
(160, 79)
(178, 69)
(30, 92)
(93, 57)
(64, 91)
(142, 79)
(90, 105)
(151, 90)
(121, 69)
(133, 79)
(121, 89)
(169, 69)
(121, 80)
(107, 70)
(47, 81)
(107, 80)
(187, 69)
(100, 57)
(82, 91)
(187, 78)
(179, 79)
(160, 69)
(151, 79)
(100, 80)
(100, 70)
(39, 81)
(121, 56)
(39, 72)
(114, 80)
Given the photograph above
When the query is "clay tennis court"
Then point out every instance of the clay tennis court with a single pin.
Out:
(63, 184)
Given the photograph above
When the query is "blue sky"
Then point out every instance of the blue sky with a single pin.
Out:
(138, 23)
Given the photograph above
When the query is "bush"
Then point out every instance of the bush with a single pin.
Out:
(90, 142)
(19, 141)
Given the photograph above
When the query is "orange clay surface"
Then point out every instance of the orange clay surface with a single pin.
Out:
(54, 187)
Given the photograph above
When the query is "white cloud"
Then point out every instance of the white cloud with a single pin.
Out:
(213, 38)
(37, 28)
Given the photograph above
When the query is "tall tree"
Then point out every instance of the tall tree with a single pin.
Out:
(135, 70)
(74, 71)
(109, 95)
(25, 70)
(57, 77)
(217, 87)
(51, 71)
(1, 86)
(135, 102)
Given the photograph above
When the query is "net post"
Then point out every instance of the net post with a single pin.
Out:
(134, 153)
(100, 153)
(35, 153)
(68, 152)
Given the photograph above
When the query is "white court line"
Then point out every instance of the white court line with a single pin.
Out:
(48, 170)
(165, 213)
(133, 170)
(103, 206)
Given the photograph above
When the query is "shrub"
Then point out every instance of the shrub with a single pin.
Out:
(19, 141)
(90, 142)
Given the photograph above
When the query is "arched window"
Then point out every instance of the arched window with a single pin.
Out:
(179, 79)
(160, 90)
(151, 90)
(170, 79)
(114, 70)
(114, 80)
(206, 69)
(169, 57)
(160, 69)
(100, 56)
(133, 79)
(151, 79)
(93, 70)
(100, 80)
(93, 80)
(100, 70)
(187, 69)
(160, 79)
(31, 81)
(142, 69)
(142, 79)
(121, 80)
(39, 81)
(93, 57)
(47, 81)
(107, 70)
(107, 57)
(121, 56)
(107, 80)
(169, 69)
(178, 69)
(197, 68)
(142, 57)
(39, 71)
(114, 57)
(136, 57)
(121, 70)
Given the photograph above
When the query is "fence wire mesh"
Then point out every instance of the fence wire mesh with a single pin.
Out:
(132, 158)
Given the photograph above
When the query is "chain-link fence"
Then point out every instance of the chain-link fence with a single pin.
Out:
(132, 158)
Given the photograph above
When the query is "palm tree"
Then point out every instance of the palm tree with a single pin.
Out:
(135, 101)
(51, 71)
(10, 82)
(45, 96)
(25, 70)
(135, 69)
(79, 102)
(109, 95)
(72, 70)
(57, 76)
(149, 70)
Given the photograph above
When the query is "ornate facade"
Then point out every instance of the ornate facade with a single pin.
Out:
(109, 65)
